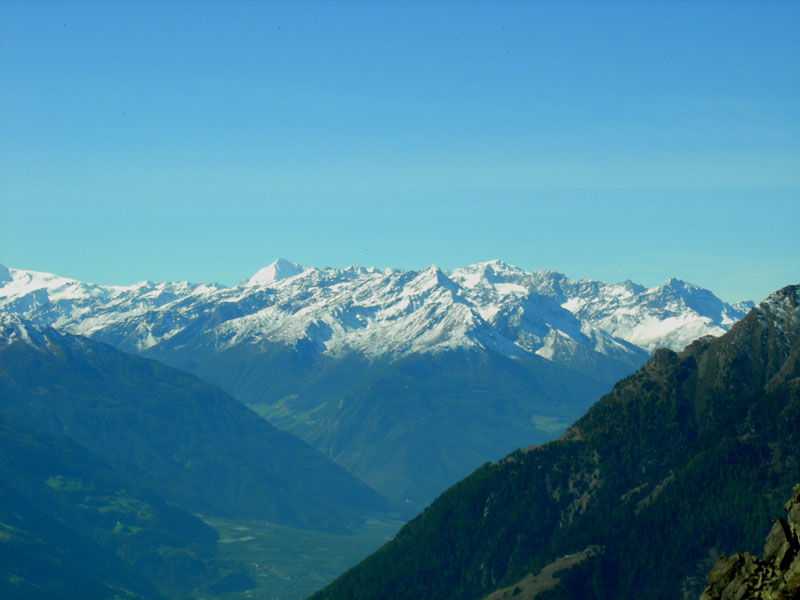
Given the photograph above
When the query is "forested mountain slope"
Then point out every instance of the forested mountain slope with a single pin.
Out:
(685, 459)
(106, 458)
(190, 441)
(71, 527)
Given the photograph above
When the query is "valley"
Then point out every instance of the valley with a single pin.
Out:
(285, 563)
(384, 370)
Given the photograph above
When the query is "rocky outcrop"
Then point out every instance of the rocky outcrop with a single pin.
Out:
(774, 577)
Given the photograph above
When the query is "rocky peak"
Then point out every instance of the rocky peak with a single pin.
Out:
(776, 576)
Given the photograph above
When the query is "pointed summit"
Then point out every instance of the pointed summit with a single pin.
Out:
(676, 284)
(436, 276)
(279, 269)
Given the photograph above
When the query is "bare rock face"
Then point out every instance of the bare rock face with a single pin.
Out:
(774, 577)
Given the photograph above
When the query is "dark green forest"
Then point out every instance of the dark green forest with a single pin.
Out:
(688, 458)
(106, 460)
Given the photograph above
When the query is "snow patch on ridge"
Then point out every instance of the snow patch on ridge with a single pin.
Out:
(57, 287)
(14, 329)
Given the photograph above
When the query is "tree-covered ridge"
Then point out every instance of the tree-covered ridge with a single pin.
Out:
(687, 458)
(106, 458)
(193, 444)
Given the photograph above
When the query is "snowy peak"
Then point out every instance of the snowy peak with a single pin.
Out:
(678, 287)
(486, 273)
(630, 287)
(357, 270)
(670, 315)
(279, 269)
(677, 284)
(55, 287)
(677, 293)
(783, 308)
(785, 299)
(392, 313)
(14, 329)
(428, 279)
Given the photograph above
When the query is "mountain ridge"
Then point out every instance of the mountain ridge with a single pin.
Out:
(687, 458)
(349, 309)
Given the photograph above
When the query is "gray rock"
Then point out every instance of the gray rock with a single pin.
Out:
(775, 577)
(778, 548)
(792, 509)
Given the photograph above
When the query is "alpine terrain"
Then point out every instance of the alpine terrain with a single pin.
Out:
(385, 371)
(687, 459)
(106, 458)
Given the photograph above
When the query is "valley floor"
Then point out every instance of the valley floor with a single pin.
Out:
(289, 563)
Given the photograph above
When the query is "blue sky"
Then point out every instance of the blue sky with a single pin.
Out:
(201, 140)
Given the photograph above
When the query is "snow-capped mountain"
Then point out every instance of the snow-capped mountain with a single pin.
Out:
(387, 370)
(490, 306)
(14, 329)
(670, 315)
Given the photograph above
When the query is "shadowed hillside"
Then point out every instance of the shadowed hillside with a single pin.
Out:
(105, 459)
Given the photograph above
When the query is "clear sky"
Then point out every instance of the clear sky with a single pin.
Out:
(201, 140)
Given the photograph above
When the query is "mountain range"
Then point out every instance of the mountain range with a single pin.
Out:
(384, 370)
(686, 459)
(490, 305)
